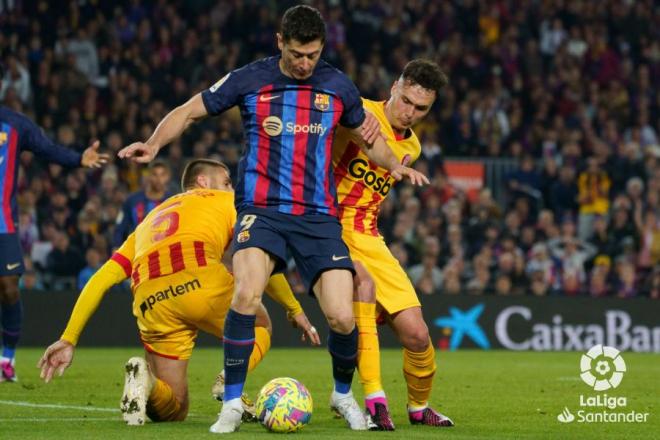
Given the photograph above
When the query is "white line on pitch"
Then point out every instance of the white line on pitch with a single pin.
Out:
(57, 406)
(60, 419)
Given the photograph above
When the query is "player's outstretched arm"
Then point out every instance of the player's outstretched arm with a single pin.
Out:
(170, 128)
(59, 355)
(380, 153)
(56, 359)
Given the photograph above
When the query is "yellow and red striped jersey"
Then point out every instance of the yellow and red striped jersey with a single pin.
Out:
(361, 184)
(179, 234)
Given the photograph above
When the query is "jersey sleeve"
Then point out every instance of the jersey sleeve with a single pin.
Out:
(34, 139)
(353, 114)
(278, 288)
(224, 94)
(125, 255)
(107, 276)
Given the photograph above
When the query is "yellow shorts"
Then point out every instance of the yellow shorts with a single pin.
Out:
(394, 291)
(171, 309)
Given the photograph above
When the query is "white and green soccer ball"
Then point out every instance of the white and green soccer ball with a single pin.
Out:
(284, 405)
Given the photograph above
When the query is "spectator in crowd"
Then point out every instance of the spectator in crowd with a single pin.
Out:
(64, 262)
(426, 276)
(593, 196)
(94, 261)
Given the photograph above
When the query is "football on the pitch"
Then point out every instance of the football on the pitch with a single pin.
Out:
(284, 405)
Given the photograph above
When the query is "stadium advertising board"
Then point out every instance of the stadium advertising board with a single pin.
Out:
(467, 176)
(542, 324)
(455, 322)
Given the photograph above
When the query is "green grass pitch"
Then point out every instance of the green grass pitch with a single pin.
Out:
(490, 395)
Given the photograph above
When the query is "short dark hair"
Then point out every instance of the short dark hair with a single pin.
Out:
(196, 167)
(302, 23)
(425, 73)
(159, 163)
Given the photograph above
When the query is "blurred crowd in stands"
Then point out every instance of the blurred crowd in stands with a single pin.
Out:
(568, 88)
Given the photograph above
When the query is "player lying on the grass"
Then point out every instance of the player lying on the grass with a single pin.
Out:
(179, 286)
(362, 186)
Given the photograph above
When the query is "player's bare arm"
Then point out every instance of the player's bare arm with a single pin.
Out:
(381, 154)
(169, 129)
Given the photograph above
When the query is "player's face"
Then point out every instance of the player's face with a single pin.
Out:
(159, 177)
(408, 104)
(298, 60)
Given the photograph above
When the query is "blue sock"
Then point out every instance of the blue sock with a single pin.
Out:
(238, 345)
(343, 349)
(11, 318)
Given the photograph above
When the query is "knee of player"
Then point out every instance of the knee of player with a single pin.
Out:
(417, 340)
(341, 322)
(248, 294)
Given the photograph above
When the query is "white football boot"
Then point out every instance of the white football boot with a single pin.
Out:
(229, 419)
(138, 384)
(346, 406)
(218, 393)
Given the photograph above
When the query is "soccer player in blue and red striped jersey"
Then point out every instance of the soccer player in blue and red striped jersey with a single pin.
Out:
(291, 105)
(142, 202)
(18, 133)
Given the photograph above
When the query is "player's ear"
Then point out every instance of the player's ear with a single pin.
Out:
(280, 41)
(394, 87)
(202, 181)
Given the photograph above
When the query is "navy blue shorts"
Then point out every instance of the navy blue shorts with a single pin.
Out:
(314, 241)
(11, 256)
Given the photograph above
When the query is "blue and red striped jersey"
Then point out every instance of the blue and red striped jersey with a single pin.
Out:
(17, 133)
(289, 128)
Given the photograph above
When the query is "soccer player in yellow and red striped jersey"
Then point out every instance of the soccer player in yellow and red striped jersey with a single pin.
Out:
(180, 286)
(361, 188)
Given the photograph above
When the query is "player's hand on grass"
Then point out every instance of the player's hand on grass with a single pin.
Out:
(309, 331)
(139, 152)
(56, 358)
(91, 158)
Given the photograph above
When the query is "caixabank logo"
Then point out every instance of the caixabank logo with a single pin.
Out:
(602, 368)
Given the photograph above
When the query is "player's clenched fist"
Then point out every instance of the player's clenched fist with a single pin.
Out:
(139, 152)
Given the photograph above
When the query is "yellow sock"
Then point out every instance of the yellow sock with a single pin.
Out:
(162, 406)
(418, 369)
(261, 347)
(368, 347)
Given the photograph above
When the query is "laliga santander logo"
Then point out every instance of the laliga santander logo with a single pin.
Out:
(602, 367)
